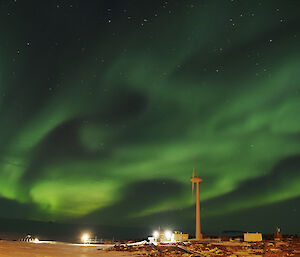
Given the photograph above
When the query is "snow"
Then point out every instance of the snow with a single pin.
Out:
(54, 249)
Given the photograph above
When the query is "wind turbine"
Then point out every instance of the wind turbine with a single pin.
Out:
(197, 180)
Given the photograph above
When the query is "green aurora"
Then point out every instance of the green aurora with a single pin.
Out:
(101, 113)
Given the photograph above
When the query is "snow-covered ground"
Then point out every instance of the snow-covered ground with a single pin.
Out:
(54, 249)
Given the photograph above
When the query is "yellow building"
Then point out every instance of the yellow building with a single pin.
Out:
(252, 237)
(179, 236)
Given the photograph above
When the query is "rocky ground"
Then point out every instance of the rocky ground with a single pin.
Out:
(218, 248)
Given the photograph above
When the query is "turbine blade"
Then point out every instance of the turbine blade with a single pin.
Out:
(194, 170)
(193, 188)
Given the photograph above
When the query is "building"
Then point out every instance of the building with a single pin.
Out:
(180, 237)
(252, 237)
(168, 237)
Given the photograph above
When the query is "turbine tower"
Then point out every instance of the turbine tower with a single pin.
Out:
(197, 180)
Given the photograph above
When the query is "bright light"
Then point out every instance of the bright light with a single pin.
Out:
(85, 238)
(155, 234)
(168, 235)
(36, 240)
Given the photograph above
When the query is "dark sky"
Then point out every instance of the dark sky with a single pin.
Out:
(104, 105)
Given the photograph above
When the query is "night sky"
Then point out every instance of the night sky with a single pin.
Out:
(104, 106)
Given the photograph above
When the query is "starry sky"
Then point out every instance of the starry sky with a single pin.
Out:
(104, 106)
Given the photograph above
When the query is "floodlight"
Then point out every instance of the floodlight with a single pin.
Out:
(85, 238)
(168, 234)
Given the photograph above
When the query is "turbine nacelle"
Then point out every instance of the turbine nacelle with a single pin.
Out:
(196, 180)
